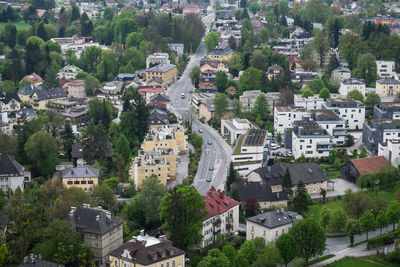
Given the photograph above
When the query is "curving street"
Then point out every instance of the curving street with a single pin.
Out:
(218, 153)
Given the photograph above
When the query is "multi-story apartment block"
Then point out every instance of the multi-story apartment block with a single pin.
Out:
(222, 216)
(248, 99)
(98, 229)
(391, 151)
(41, 98)
(76, 44)
(270, 225)
(12, 174)
(309, 139)
(386, 69)
(387, 111)
(147, 251)
(285, 116)
(85, 178)
(232, 129)
(387, 87)
(340, 74)
(168, 137)
(311, 102)
(165, 71)
(332, 123)
(157, 58)
(221, 53)
(348, 85)
(251, 151)
(378, 131)
(349, 110)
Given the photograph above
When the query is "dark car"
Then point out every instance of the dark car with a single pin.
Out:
(208, 179)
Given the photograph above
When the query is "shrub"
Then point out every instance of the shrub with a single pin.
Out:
(384, 239)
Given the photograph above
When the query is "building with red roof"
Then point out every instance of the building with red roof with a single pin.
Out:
(148, 92)
(355, 168)
(222, 216)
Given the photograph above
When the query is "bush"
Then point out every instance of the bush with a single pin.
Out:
(384, 239)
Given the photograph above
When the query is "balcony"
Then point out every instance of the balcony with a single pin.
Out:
(324, 146)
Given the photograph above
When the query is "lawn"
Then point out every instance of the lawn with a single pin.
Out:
(369, 261)
(315, 209)
(18, 25)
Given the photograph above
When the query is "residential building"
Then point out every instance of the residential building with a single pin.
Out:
(158, 117)
(165, 71)
(232, 129)
(206, 109)
(147, 251)
(37, 261)
(77, 152)
(159, 100)
(41, 98)
(386, 69)
(76, 88)
(353, 169)
(301, 76)
(69, 72)
(378, 131)
(26, 92)
(156, 59)
(85, 178)
(311, 102)
(387, 111)
(198, 98)
(309, 139)
(248, 99)
(221, 52)
(332, 123)
(275, 71)
(387, 87)
(339, 74)
(231, 90)
(112, 88)
(34, 79)
(271, 225)
(391, 151)
(251, 151)
(191, 9)
(12, 174)
(9, 102)
(285, 116)
(76, 44)
(348, 85)
(222, 216)
(148, 92)
(177, 48)
(98, 229)
(126, 78)
(349, 110)
(213, 65)
(168, 137)
(207, 87)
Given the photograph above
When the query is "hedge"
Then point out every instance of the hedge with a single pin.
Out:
(384, 239)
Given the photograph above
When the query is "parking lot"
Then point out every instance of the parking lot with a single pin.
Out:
(280, 152)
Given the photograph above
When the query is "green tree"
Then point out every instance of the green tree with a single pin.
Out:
(356, 95)
(195, 76)
(320, 44)
(95, 145)
(269, 257)
(260, 111)
(236, 63)
(41, 149)
(351, 47)
(9, 34)
(325, 216)
(229, 251)
(123, 147)
(231, 177)
(367, 222)
(91, 58)
(307, 93)
(352, 228)
(259, 61)
(324, 94)
(220, 105)
(250, 80)
(51, 79)
(221, 81)
(316, 84)
(338, 219)
(366, 68)
(91, 83)
(287, 184)
(302, 199)
(310, 237)
(68, 138)
(381, 220)
(357, 203)
(104, 196)
(211, 41)
(323, 194)
(288, 248)
(363, 153)
(372, 100)
(393, 212)
(214, 258)
(248, 250)
(145, 206)
(111, 182)
(182, 211)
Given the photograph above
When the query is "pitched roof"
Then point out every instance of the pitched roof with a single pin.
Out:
(388, 81)
(159, 97)
(217, 202)
(77, 150)
(80, 172)
(147, 255)
(222, 49)
(93, 220)
(158, 117)
(163, 67)
(151, 90)
(274, 67)
(9, 166)
(371, 165)
(262, 192)
(33, 78)
(28, 89)
(6, 98)
(275, 218)
(51, 93)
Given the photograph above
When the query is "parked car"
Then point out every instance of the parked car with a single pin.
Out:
(211, 168)
(200, 130)
(209, 142)
(208, 179)
(273, 146)
(279, 154)
(289, 153)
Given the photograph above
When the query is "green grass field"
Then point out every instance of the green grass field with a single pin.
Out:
(315, 209)
(19, 25)
(369, 261)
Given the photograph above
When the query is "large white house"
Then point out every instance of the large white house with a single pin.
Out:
(348, 109)
(348, 85)
(69, 72)
(270, 225)
(285, 116)
(391, 151)
(222, 216)
(332, 123)
(311, 102)
(232, 129)
(12, 174)
(386, 69)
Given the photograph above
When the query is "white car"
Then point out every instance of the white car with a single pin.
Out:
(273, 146)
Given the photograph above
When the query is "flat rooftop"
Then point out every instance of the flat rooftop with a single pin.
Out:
(255, 137)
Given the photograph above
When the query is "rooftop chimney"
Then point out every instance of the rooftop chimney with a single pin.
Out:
(142, 232)
(162, 238)
(134, 238)
(97, 218)
(108, 214)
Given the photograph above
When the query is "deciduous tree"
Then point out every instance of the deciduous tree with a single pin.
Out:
(393, 212)
(288, 248)
(367, 222)
(195, 76)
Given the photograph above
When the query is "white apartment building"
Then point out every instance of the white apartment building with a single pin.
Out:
(348, 109)
(234, 128)
(386, 69)
(251, 151)
(309, 139)
(391, 151)
(12, 174)
(76, 44)
(311, 102)
(156, 59)
(69, 72)
(222, 216)
(285, 116)
(332, 123)
(348, 85)
(248, 99)
(270, 225)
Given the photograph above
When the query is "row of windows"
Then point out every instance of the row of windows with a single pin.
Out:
(79, 182)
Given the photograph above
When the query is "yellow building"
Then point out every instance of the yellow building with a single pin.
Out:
(85, 178)
(147, 251)
(34, 79)
(221, 53)
(41, 98)
(9, 102)
(26, 92)
(387, 87)
(167, 72)
(166, 138)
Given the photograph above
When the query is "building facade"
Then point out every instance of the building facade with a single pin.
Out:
(76, 88)
(387, 87)
(85, 178)
(391, 151)
(232, 129)
(285, 116)
(348, 85)
(167, 72)
(156, 59)
(12, 174)
(349, 110)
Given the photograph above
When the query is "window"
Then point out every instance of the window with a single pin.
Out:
(83, 182)
(276, 234)
(69, 182)
(173, 263)
(264, 233)
(90, 182)
(76, 182)
(252, 228)
(167, 264)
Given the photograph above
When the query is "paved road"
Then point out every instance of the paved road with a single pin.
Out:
(217, 154)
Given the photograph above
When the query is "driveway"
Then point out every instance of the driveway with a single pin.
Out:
(340, 186)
